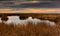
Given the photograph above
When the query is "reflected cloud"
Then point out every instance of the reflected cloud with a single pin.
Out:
(16, 20)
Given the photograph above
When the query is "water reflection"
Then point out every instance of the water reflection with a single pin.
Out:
(16, 20)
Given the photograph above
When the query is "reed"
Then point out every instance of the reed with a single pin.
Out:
(30, 29)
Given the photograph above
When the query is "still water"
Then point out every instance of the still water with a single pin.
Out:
(16, 20)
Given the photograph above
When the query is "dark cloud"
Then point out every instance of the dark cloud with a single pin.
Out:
(29, 0)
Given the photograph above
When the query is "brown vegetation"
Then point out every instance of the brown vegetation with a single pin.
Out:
(40, 29)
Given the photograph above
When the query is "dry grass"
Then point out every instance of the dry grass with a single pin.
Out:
(40, 29)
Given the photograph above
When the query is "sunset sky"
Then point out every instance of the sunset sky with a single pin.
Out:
(29, 10)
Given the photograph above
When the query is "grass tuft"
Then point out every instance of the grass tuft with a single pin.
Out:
(30, 29)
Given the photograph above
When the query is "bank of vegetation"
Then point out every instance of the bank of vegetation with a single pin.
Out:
(30, 29)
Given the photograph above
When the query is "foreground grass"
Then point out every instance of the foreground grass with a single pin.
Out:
(40, 29)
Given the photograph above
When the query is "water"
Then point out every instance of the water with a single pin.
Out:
(16, 20)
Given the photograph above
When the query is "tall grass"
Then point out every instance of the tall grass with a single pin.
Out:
(30, 29)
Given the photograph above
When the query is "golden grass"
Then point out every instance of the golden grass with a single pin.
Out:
(40, 29)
